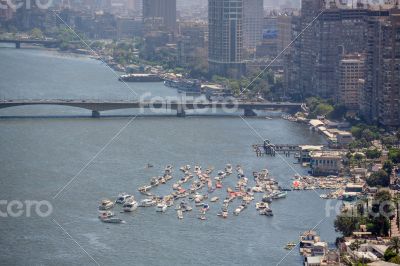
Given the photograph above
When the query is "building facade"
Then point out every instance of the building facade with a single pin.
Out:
(162, 11)
(225, 39)
(253, 13)
(380, 95)
(351, 80)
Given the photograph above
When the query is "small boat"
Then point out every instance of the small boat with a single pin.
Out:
(279, 195)
(106, 205)
(147, 203)
(261, 205)
(106, 214)
(144, 189)
(238, 210)
(112, 220)
(161, 207)
(214, 199)
(218, 185)
(202, 217)
(228, 169)
(149, 165)
(154, 182)
(267, 211)
(130, 206)
(180, 214)
(290, 245)
(184, 207)
(122, 198)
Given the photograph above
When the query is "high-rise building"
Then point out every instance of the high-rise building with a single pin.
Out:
(6, 13)
(253, 14)
(381, 93)
(163, 11)
(351, 80)
(225, 40)
(285, 31)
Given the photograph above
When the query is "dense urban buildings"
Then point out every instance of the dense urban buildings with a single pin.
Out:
(380, 96)
(160, 11)
(225, 46)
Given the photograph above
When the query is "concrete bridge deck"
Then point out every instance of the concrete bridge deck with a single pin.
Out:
(18, 42)
(97, 106)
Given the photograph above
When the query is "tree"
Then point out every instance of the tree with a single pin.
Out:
(388, 167)
(395, 244)
(373, 154)
(394, 155)
(379, 179)
(37, 33)
(389, 254)
(345, 224)
(338, 112)
(395, 260)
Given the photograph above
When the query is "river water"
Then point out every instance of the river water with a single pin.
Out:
(43, 147)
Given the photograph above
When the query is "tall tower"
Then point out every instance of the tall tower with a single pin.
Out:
(225, 41)
(161, 10)
(253, 14)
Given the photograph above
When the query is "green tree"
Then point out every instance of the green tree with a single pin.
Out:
(394, 155)
(345, 224)
(389, 254)
(395, 244)
(36, 33)
(373, 154)
(378, 179)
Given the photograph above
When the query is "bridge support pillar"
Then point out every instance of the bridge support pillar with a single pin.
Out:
(18, 45)
(95, 114)
(181, 112)
(248, 112)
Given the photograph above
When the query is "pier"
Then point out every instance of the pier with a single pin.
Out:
(268, 148)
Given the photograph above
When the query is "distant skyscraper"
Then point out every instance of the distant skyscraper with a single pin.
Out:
(351, 79)
(381, 93)
(164, 10)
(225, 43)
(253, 14)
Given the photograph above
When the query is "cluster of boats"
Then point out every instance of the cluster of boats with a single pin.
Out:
(127, 201)
(189, 188)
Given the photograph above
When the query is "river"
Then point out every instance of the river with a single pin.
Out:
(43, 147)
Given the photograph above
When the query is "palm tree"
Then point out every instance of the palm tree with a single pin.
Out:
(396, 200)
(395, 244)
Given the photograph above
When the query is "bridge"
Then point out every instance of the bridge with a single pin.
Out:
(96, 106)
(28, 41)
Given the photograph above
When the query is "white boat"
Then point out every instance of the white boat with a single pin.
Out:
(161, 207)
(130, 206)
(147, 203)
(180, 214)
(279, 195)
(123, 197)
(261, 205)
(106, 205)
(214, 199)
(144, 189)
(228, 169)
(106, 214)
(239, 209)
